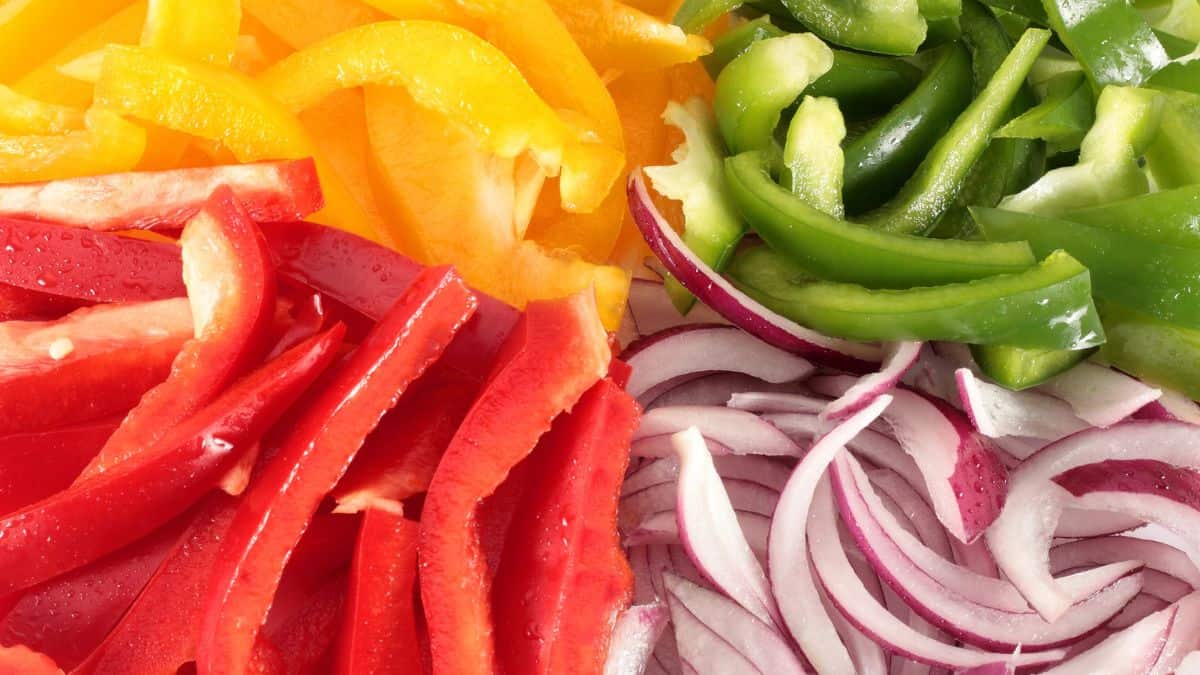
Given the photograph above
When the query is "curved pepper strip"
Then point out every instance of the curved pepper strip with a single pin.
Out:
(23, 660)
(37, 464)
(555, 354)
(21, 115)
(1111, 40)
(323, 554)
(20, 304)
(931, 191)
(280, 503)
(614, 35)
(206, 31)
(1061, 119)
(882, 26)
(563, 576)
(812, 156)
(106, 144)
(1046, 306)
(219, 105)
(1168, 216)
(379, 627)
(231, 289)
(1156, 351)
(100, 515)
(338, 127)
(843, 251)
(1018, 368)
(32, 30)
(1174, 157)
(109, 355)
(301, 23)
(307, 641)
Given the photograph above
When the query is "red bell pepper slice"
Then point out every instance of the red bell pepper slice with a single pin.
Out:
(20, 660)
(280, 503)
(306, 642)
(92, 363)
(66, 617)
(379, 629)
(563, 576)
(231, 290)
(324, 552)
(557, 351)
(270, 192)
(88, 266)
(21, 304)
(96, 516)
(38, 464)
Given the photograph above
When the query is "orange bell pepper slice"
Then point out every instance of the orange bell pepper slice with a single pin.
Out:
(106, 144)
(206, 30)
(338, 126)
(20, 114)
(218, 104)
(616, 36)
(419, 159)
(301, 23)
(32, 30)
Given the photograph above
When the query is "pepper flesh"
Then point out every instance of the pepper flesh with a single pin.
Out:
(35, 465)
(556, 352)
(1111, 40)
(1048, 306)
(1018, 368)
(614, 35)
(1061, 119)
(32, 30)
(20, 114)
(1156, 351)
(843, 251)
(107, 143)
(1167, 216)
(812, 156)
(882, 26)
(206, 31)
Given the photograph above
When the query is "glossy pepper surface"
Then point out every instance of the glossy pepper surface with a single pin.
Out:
(1112, 41)
(885, 27)
(1018, 368)
(1157, 351)
(37, 464)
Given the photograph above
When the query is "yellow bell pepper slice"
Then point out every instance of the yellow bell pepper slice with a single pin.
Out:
(338, 127)
(20, 114)
(106, 144)
(272, 47)
(33, 30)
(206, 30)
(616, 36)
(455, 201)
(219, 104)
(301, 23)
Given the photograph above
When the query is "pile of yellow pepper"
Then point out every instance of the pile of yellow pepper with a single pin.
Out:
(491, 134)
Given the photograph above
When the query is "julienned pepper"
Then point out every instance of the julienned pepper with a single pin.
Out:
(557, 352)
(100, 515)
(754, 88)
(1167, 216)
(206, 31)
(812, 155)
(37, 464)
(1111, 40)
(1061, 119)
(878, 162)
(843, 251)
(614, 35)
(928, 194)
(20, 114)
(1159, 352)
(1019, 368)
(219, 105)
(694, 15)
(1048, 306)
(31, 31)
(1174, 156)
(563, 576)
(379, 626)
(231, 289)
(313, 457)
(1148, 276)
(108, 357)
(106, 144)
(885, 27)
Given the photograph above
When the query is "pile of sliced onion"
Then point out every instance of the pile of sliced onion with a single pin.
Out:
(785, 513)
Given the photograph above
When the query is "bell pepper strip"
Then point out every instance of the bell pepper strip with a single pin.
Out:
(560, 587)
(1048, 306)
(734, 42)
(1017, 368)
(1181, 75)
(89, 266)
(930, 192)
(615, 36)
(1127, 123)
(1147, 276)
(107, 357)
(307, 642)
(812, 155)
(557, 351)
(379, 626)
(839, 250)
(1111, 40)
(21, 304)
(694, 16)
(865, 84)
(206, 31)
(315, 456)
(338, 127)
(1172, 157)
(268, 191)
(139, 496)
(879, 161)
(416, 156)
(1152, 350)
(107, 143)
(67, 617)
(301, 23)
(1061, 119)
(712, 227)
(20, 114)
(31, 31)
(895, 27)
(1168, 216)
(231, 289)
(35, 465)
(21, 660)
(217, 104)
(325, 552)
(752, 91)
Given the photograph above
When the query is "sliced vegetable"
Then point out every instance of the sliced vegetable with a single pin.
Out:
(1019, 368)
(1160, 352)
(1111, 40)
(1061, 119)
(107, 143)
(886, 28)
(1168, 217)
(812, 156)
(36, 464)
(1171, 157)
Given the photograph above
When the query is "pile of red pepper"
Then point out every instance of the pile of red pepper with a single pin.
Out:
(275, 447)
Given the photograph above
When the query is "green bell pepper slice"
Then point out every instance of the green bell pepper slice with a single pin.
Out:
(1151, 277)
(1109, 38)
(1180, 76)
(694, 15)
(932, 190)
(734, 42)
(1021, 368)
(1029, 9)
(812, 155)
(880, 26)
(880, 160)
(1168, 217)
(1174, 157)
(842, 251)
(712, 228)
(1062, 119)
(1156, 351)
(752, 91)
(1047, 306)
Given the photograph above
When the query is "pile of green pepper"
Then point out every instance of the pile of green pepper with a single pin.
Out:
(1019, 175)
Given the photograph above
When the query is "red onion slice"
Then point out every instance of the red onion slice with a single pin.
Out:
(711, 534)
(916, 510)
(777, 402)
(1075, 523)
(634, 636)
(744, 495)
(701, 649)
(764, 471)
(1020, 538)
(663, 528)
(1104, 550)
(876, 448)
(1100, 396)
(899, 358)
(852, 599)
(651, 311)
(714, 291)
(996, 411)
(1156, 644)
(933, 374)
(737, 431)
(690, 350)
(715, 389)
